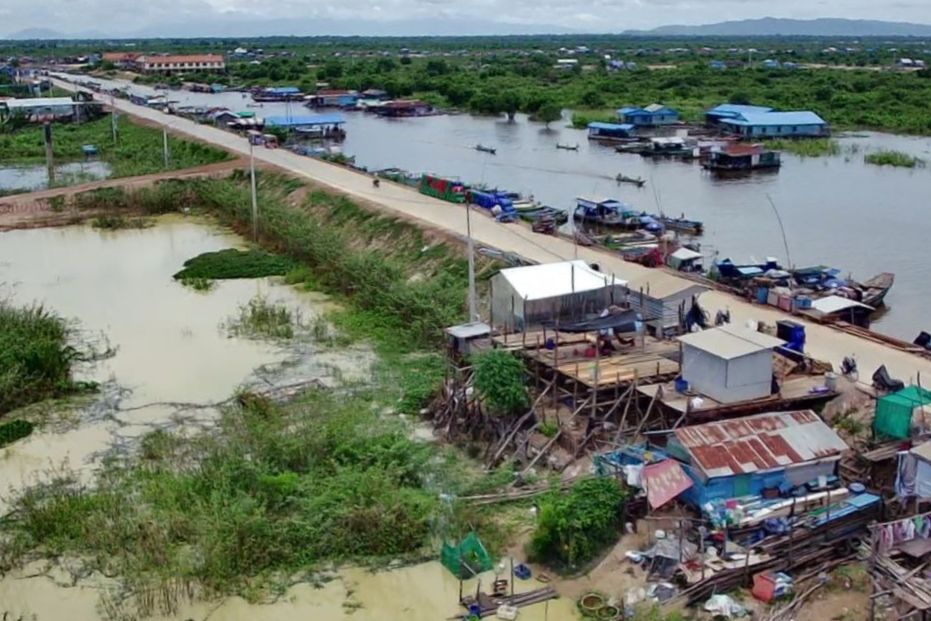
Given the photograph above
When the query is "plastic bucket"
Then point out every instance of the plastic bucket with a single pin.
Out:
(830, 381)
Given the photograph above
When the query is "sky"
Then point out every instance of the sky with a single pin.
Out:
(128, 17)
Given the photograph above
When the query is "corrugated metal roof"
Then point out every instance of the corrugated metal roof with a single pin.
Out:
(733, 109)
(757, 443)
(664, 481)
(616, 126)
(538, 282)
(300, 121)
(730, 342)
(769, 119)
(38, 102)
(628, 110)
(836, 303)
(662, 286)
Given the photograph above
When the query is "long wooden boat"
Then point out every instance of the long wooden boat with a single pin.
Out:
(558, 215)
(876, 288)
(637, 181)
(484, 149)
(566, 147)
(682, 225)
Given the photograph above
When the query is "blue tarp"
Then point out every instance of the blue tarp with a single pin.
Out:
(305, 121)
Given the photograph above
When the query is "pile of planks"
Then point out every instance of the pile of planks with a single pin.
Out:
(905, 584)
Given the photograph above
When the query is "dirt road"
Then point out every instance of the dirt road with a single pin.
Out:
(823, 342)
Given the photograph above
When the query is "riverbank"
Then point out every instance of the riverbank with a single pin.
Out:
(823, 342)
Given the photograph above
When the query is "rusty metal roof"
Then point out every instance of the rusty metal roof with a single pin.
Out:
(757, 443)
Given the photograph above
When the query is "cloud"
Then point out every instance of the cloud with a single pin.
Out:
(124, 17)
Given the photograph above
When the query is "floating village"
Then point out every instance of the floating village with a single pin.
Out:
(752, 465)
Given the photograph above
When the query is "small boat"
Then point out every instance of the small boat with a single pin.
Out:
(484, 149)
(876, 288)
(610, 213)
(622, 178)
(681, 224)
(566, 147)
(541, 213)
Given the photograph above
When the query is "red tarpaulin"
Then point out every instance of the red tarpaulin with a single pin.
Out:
(664, 481)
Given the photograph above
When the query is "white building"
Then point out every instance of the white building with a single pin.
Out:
(729, 364)
(40, 108)
(181, 64)
(524, 297)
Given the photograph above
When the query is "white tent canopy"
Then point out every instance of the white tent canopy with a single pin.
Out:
(570, 290)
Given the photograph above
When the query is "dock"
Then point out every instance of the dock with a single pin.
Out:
(489, 604)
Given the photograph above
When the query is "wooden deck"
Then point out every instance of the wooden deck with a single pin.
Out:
(796, 391)
(654, 360)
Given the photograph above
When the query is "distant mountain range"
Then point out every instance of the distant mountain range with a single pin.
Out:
(771, 26)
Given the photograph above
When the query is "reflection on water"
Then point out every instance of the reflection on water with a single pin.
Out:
(36, 177)
(836, 210)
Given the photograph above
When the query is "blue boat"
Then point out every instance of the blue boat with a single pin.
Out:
(611, 213)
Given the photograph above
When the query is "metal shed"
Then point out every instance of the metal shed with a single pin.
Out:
(660, 298)
(730, 363)
(523, 297)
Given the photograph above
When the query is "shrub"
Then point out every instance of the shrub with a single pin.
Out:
(575, 526)
(499, 379)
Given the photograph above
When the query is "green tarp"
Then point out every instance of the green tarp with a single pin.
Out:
(467, 559)
(894, 412)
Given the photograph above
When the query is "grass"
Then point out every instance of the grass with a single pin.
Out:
(261, 319)
(816, 147)
(273, 492)
(35, 357)
(198, 284)
(118, 222)
(233, 263)
(137, 152)
(894, 158)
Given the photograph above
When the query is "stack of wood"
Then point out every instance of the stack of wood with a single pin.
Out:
(905, 584)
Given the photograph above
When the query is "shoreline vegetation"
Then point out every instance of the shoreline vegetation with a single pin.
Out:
(276, 493)
(896, 159)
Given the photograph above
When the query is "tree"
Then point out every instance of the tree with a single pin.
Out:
(509, 102)
(548, 112)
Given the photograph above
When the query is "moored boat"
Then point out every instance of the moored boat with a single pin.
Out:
(540, 213)
(681, 224)
(875, 289)
(611, 213)
(741, 158)
(484, 149)
(566, 147)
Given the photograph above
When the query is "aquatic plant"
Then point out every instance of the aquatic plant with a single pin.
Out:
(233, 263)
(500, 379)
(893, 158)
(116, 222)
(269, 493)
(815, 147)
(260, 318)
(198, 284)
(14, 430)
(138, 150)
(35, 357)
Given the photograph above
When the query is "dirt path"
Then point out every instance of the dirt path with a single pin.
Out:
(823, 342)
(33, 209)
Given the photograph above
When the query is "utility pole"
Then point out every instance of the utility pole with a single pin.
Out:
(165, 153)
(255, 199)
(473, 311)
(49, 153)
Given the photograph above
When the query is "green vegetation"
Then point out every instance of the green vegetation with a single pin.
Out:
(262, 319)
(198, 284)
(818, 147)
(575, 526)
(14, 430)
(138, 152)
(893, 158)
(273, 492)
(233, 263)
(500, 379)
(119, 222)
(35, 357)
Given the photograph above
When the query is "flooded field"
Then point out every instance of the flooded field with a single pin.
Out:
(173, 362)
(36, 176)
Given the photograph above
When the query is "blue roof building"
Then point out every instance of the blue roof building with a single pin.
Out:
(611, 131)
(731, 111)
(305, 121)
(652, 116)
(776, 125)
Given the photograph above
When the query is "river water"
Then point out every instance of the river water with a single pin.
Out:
(836, 210)
(173, 359)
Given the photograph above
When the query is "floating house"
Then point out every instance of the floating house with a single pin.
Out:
(732, 111)
(750, 456)
(529, 296)
(612, 132)
(283, 93)
(742, 157)
(332, 99)
(404, 108)
(729, 364)
(838, 308)
(776, 125)
(654, 115)
(40, 108)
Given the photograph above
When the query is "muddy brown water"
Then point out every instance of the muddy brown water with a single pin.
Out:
(173, 356)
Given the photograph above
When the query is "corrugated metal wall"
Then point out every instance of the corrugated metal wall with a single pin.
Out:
(532, 313)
